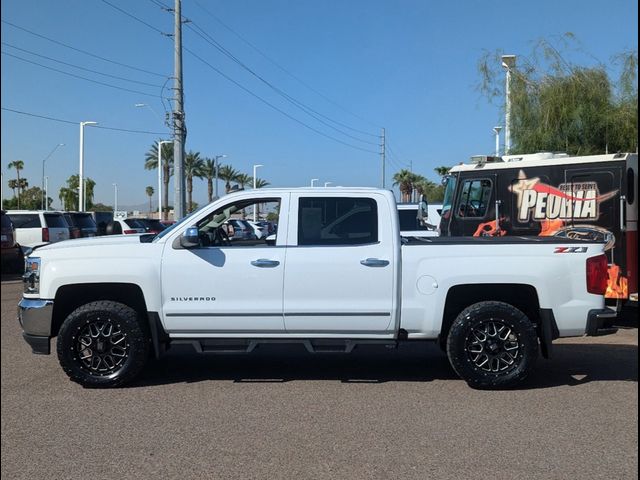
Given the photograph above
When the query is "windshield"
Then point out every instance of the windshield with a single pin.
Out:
(449, 191)
(179, 223)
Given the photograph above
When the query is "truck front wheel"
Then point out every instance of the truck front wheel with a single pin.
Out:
(102, 344)
(492, 345)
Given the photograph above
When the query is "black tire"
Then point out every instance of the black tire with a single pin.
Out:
(102, 344)
(492, 345)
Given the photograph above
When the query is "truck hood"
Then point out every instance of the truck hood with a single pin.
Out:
(92, 242)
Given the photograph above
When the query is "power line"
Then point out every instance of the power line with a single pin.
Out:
(130, 15)
(79, 67)
(299, 80)
(291, 117)
(53, 119)
(305, 108)
(81, 77)
(83, 51)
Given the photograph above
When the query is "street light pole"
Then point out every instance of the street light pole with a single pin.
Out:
(508, 63)
(313, 180)
(44, 198)
(115, 194)
(326, 184)
(160, 143)
(497, 130)
(215, 167)
(81, 193)
(255, 211)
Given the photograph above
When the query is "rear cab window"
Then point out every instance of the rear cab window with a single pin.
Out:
(325, 221)
(55, 220)
(474, 198)
(25, 220)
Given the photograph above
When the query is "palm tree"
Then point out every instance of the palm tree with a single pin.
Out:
(193, 167)
(442, 171)
(13, 184)
(260, 183)
(151, 163)
(244, 180)
(404, 180)
(228, 174)
(209, 172)
(150, 191)
(18, 165)
(69, 195)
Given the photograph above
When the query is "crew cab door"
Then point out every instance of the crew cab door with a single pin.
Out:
(340, 273)
(227, 283)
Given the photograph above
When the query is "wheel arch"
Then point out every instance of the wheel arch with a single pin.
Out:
(522, 296)
(70, 297)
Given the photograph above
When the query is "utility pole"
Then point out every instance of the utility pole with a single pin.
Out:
(178, 119)
(382, 154)
(508, 63)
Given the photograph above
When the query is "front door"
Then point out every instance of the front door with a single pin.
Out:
(227, 284)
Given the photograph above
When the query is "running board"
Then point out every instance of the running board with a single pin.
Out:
(234, 346)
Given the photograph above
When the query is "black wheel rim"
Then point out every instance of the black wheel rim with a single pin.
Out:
(102, 347)
(493, 346)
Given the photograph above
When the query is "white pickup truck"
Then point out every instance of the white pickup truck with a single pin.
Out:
(337, 275)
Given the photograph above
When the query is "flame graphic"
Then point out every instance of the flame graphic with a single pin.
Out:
(617, 285)
(489, 229)
(549, 227)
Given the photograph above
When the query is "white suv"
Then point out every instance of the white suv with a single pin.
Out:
(410, 226)
(38, 227)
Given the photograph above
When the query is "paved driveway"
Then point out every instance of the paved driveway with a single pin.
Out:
(282, 413)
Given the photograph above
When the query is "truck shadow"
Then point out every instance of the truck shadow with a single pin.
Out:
(572, 365)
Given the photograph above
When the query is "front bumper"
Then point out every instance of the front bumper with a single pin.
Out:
(597, 320)
(35, 316)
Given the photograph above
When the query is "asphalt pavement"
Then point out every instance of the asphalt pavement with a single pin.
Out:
(281, 413)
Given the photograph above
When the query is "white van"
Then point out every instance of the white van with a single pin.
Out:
(38, 227)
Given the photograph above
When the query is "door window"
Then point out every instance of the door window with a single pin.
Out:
(233, 226)
(474, 198)
(337, 221)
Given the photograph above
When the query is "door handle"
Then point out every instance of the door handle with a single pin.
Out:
(265, 263)
(374, 262)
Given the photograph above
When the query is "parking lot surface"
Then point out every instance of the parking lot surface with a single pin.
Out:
(283, 413)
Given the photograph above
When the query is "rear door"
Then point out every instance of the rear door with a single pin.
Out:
(28, 228)
(339, 276)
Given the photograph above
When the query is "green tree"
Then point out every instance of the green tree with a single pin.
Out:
(442, 171)
(227, 174)
(260, 183)
(557, 105)
(69, 195)
(193, 167)
(31, 199)
(150, 191)
(13, 185)
(18, 165)
(151, 163)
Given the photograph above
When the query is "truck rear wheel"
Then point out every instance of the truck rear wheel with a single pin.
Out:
(492, 345)
(102, 344)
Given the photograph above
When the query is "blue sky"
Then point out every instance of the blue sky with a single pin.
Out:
(406, 65)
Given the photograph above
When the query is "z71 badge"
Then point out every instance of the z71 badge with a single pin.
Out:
(570, 250)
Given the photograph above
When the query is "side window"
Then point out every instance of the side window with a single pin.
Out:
(25, 221)
(337, 221)
(233, 225)
(474, 198)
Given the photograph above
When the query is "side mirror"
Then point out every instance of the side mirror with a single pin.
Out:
(190, 238)
(423, 211)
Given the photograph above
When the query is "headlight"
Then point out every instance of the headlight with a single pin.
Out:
(31, 277)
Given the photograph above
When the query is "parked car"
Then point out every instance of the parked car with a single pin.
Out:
(151, 225)
(83, 222)
(258, 231)
(269, 227)
(11, 251)
(38, 227)
(125, 226)
(410, 225)
(102, 219)
(241, 230)
(74, 232)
